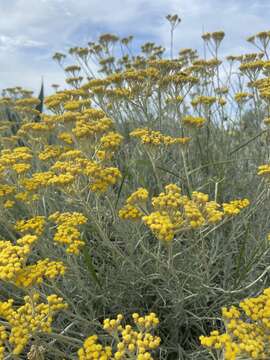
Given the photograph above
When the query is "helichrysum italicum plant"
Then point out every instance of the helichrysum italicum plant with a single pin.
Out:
(34, 316)
(78, 246)
(246, 330)
(135, 342)
(174, 213)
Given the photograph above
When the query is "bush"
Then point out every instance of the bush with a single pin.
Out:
(137, 192)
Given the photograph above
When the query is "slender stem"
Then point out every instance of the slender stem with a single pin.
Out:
(154, 170)
(186, 172)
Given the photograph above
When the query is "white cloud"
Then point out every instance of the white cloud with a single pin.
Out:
(8, 42)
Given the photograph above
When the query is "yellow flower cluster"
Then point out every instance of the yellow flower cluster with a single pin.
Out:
(16, 160)
(8, 204)
(85, 128)
(170, 199)
(3, 338)
(66, 137)
(34, 225)
(67, 232)
(93, 350)
(67, 118)
(133, 209)
(262, 36)
(151, 137)
(213, 212)
(75, 105)
(34, 131)
(64, 173)
(73, 122)
(130, 212)
(10, 157)
(193, 121)
(242, 97)
(31, 275)
(38, 181)
(21, 168)
(28, 319)
(71, 154)
(25, 107)
(175, 100)
(267, 121)
(216, 36)
(203, 100)
(247, 330)
(101, 177)
(263, 85)
(252, 66)
(147, 321)
(234, 207)
(264, 170)
(21, 102)
(26, 197)
(50, 152)
(27, 102)
(13, 259)
(161, 225)
(111, 141)
(61, 180)
(204, 66)
(112, 325)
(6, 189)
(130, 343)
(174, 213)
(68, 167)
(140, 195)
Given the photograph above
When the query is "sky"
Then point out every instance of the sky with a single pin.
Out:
(31, 31)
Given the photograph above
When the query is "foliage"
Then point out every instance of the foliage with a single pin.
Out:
(143, 189)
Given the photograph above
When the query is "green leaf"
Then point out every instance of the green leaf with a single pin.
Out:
(89, 265)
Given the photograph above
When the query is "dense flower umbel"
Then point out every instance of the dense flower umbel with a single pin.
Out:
(50, 152)
(63, 174)
(14, 267)
(234, 207)
(193, 121)
(130, 212)
(71, 126)
(139, 196)
(101, 177)
(13, 257)
(34, 225)
(136, 342)
(3, 338)
(161, 225)
(151, 137)
(18, 155)
(92, 349)
(242, 97)
(31, 275)
(111, 141)
(203, 100)
(247, 330)
(29, 319)
(174, 213)
(23, 103)
(264, 170)
(13, 162)
(67, 232)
